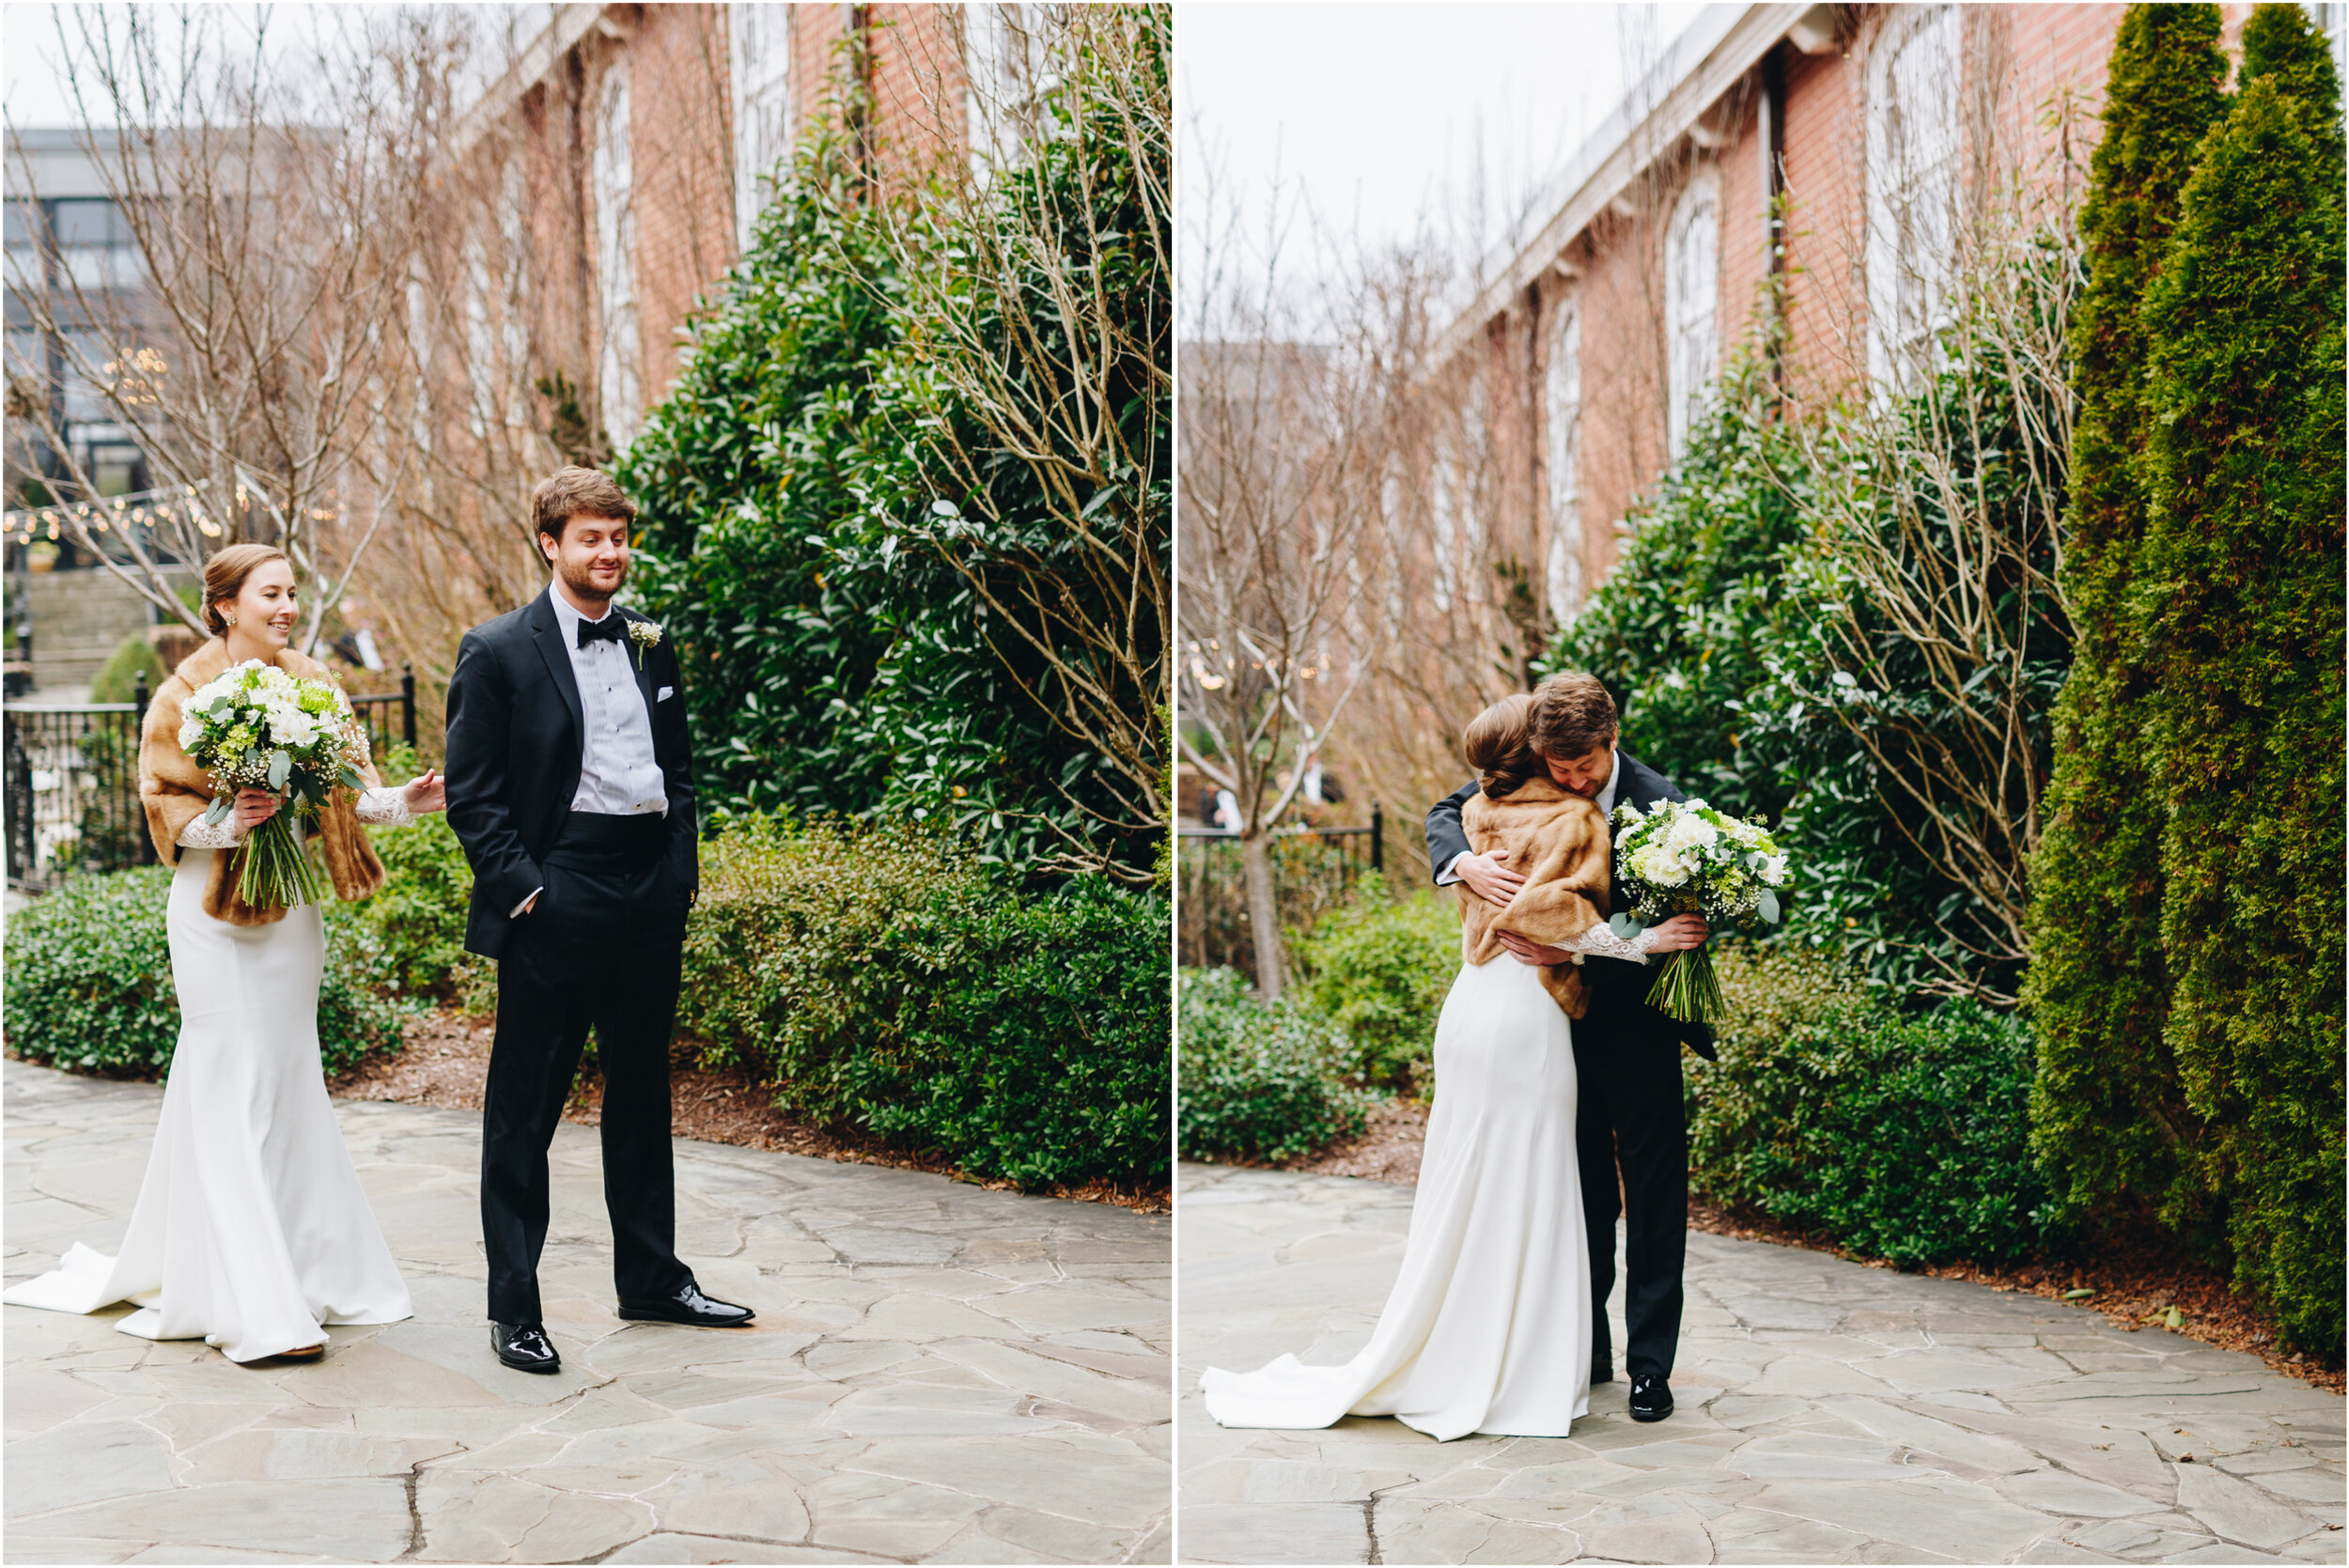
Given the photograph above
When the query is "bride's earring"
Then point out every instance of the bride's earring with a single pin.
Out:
(230, 619)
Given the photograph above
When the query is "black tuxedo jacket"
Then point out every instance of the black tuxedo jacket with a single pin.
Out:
(515, 738)
(1618, 987)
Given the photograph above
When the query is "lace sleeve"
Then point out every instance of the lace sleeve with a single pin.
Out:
(386, 808)
(1602, 944)
(225, 834)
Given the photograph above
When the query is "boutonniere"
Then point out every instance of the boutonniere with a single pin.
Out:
(645, 634)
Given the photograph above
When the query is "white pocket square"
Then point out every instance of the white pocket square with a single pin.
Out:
(666, 692)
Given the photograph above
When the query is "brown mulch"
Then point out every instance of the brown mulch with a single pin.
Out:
(2136, 1276)
(446, 1061)
(1388, 1150)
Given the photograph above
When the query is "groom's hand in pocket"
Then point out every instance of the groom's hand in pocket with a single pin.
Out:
(1488, 878)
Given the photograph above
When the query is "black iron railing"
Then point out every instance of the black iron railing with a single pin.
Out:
(390, 717)
(1314, 870)
(72, 781)
(73, 790)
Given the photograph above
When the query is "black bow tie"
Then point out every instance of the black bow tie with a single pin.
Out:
(612, 628)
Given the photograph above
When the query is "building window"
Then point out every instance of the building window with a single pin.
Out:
(619, 361)
(94, 247)
(1912, 181)
(1006, 54)
(761, 37)
(2332, 19)
(1692, 285)
(1561, 408)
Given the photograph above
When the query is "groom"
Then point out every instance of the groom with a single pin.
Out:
(1626, 1054)
(570, 785)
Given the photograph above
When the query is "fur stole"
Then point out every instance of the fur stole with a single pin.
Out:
(1557, 843)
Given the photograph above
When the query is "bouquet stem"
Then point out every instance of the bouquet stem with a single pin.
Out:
(1688, 989)
(278, 872)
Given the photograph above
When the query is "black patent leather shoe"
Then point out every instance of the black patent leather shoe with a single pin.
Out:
(1651, 1399)
(524, 1346)
(1602, 1371)
(688, 1306)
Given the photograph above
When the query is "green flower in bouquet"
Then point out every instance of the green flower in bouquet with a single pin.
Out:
(1683, 856)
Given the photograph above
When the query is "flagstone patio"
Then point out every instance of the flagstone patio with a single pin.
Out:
(938, 1372)
(1828, 1412)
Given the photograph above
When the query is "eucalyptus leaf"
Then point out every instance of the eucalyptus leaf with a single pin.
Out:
(280, 768)
(1767, 906)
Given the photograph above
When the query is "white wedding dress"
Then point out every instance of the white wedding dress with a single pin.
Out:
(1488, 1329)
(251, 1230)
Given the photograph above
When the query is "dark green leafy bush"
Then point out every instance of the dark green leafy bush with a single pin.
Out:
(807, 536)
(885, 979)
(117, 680)
(1379, 969)
(1261, 1083)
(89, 983)
(1899, 1134)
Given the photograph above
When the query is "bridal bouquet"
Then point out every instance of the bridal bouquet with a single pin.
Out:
(256, 727)
(1683, 856)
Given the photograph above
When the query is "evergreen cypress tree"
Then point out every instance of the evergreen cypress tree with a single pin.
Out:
(2110, 1116)
(2240, 591)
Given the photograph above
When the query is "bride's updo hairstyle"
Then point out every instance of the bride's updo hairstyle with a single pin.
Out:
(224, 579)
(1499, 745)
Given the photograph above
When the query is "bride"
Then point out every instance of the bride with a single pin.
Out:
(1488, 1329)
(251, 1230)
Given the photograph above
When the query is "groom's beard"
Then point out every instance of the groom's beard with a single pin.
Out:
(582, 582)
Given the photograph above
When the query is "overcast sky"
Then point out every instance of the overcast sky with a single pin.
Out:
(40, 94)
(1388, 119)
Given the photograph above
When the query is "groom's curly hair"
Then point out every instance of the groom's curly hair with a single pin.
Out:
(574, 491)
(1573, 715)
(1499, 745)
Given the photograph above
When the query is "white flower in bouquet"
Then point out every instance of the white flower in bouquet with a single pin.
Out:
(1655, 863)
(1691, 831)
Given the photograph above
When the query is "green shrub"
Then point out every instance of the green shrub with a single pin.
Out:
(1260, 1082)
(418, 915)
(1379, 969)
(117, 679)
(804, 526)
(883, 978)
(1900, 1134)
(2240, 593)
(2110, 1110)
(1720, 641)
(89, 984)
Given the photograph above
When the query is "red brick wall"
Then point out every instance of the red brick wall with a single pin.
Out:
(2019, 59)
(916, 76)
(682, 155)
(1824, 148)
(682, 151)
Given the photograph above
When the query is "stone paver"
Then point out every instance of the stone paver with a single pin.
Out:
(937, 1372)
(1828, 1412)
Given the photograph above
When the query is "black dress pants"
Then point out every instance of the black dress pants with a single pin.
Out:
(601, 948)
(1630, 1114)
